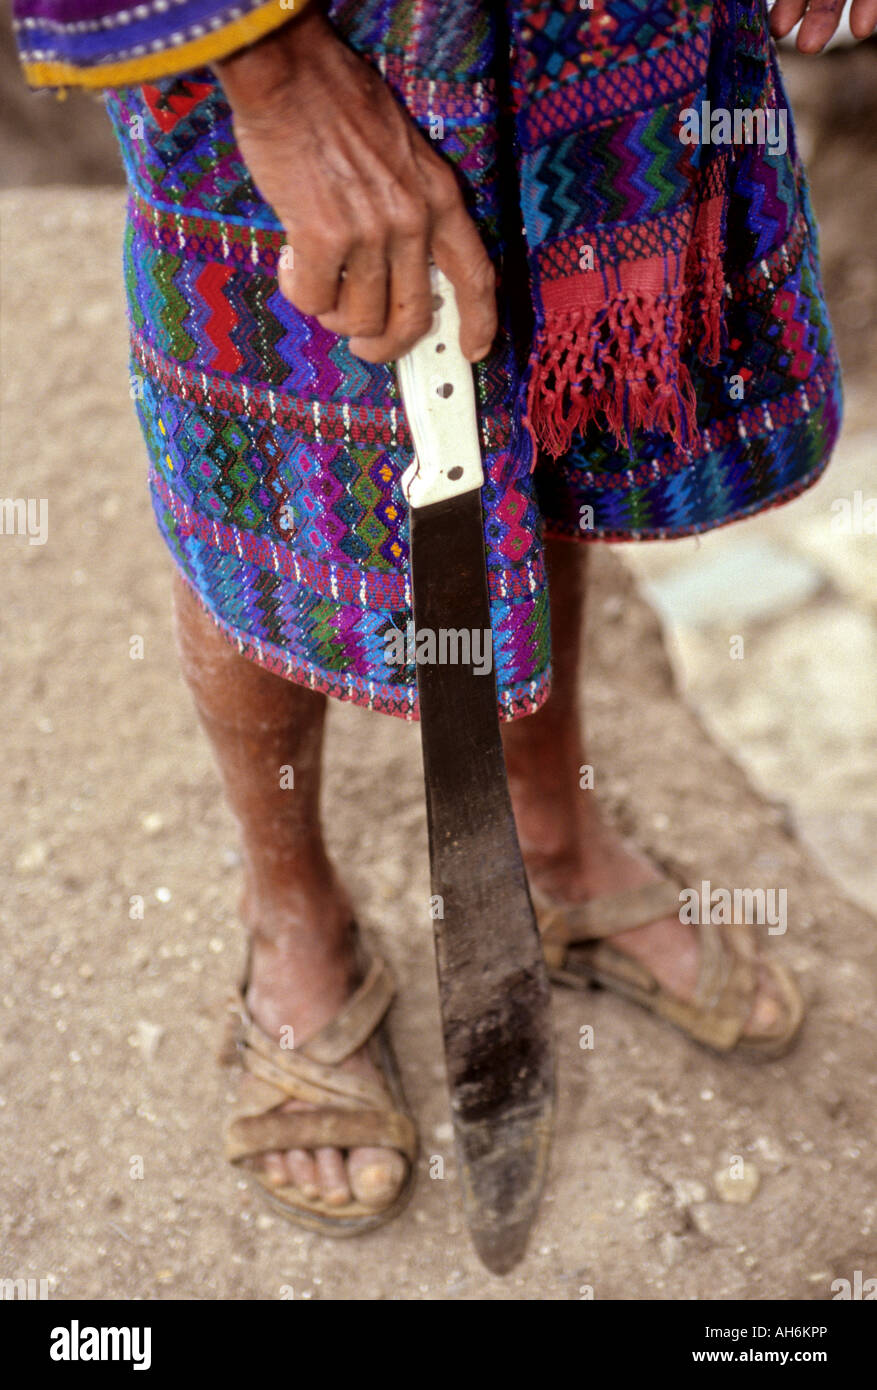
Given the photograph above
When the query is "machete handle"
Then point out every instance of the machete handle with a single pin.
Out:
(438, 393)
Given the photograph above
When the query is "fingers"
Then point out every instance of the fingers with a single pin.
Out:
(361, 309)
(312, 283)
(818, 24)
(863, 18)
(410, 303)
(785, 15)
(459, 252)
(367, 277)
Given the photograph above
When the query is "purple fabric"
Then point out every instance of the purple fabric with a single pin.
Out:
(51, 30)
(74, 11)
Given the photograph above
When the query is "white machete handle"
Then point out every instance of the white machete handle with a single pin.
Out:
(439, 397)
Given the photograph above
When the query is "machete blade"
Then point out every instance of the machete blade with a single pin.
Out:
(493, 984)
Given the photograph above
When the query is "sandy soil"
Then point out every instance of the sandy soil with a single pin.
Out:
(110, 1025)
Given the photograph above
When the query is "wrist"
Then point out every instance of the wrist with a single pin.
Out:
(251, 75)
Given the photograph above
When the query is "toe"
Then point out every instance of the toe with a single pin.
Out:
(332, 1175)
(766, 1009)
(274, 1169)
(302, 1173)
(376, 1175)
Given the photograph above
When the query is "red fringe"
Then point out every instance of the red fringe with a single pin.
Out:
(705, 284)
(616, 361)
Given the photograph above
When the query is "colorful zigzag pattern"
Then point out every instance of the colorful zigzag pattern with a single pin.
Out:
(275, 454)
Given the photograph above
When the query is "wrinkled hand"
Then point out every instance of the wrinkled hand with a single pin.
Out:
(363, 197)
(820, 19)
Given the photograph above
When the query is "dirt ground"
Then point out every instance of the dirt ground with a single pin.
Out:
(112, 1183)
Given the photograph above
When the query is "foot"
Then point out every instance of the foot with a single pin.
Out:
(301, 973)
(576, 856)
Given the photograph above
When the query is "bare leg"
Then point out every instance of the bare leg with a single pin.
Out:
(293, 905)
(569, 850)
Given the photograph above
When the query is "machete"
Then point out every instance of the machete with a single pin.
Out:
(493, 986)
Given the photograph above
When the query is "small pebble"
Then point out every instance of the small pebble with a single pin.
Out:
(152, 822)
(702, 1219)
(687, 1191)
(644, 1201)
(669, 1246)
(769, 1148)
(32, 858)
(148, 1036)
(657, 1103)
(739, 1189)
(163, 895)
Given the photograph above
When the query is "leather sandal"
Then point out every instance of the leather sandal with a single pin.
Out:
(349, 1111)
(576, 943)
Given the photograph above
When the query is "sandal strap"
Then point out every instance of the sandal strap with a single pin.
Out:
(351, 1111)
(295, 1077)
(249, 1136)
(722, 1001)
(356, 1021)
(716, 958)
(337, 1040)
(606, 915)
(726, 981)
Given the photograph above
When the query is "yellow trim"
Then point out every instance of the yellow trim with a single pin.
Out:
(194, 54)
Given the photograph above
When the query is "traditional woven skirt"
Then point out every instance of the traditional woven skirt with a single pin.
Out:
(275, 454)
